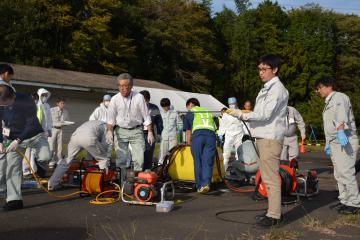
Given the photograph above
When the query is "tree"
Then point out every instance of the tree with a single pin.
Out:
(179, 46)
(94, 47)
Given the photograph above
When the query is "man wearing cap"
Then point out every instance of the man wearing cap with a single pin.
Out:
(100, 113)
(231, 128)
(127, 115)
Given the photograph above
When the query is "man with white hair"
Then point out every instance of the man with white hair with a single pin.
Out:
(127, 115)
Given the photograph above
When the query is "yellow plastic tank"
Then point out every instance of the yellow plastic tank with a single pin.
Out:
(182, 166)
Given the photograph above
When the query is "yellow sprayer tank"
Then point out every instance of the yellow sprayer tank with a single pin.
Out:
(182, 166)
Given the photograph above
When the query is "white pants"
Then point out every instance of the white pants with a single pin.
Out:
(30, 154)
(344, 159)
(56, 139)
(290, 148)
(230, 142)
(165, 145)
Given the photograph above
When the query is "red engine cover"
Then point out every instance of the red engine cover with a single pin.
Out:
(262, 189)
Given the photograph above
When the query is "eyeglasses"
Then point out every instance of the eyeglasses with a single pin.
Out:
(263, 69)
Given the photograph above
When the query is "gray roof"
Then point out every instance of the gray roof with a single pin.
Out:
(77, 79)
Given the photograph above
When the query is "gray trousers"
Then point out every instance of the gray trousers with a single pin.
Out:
(134, 137)
(290, 148)
(343, 159)
(11, 165)
(98, 149)
(165, 146)
(56, 139)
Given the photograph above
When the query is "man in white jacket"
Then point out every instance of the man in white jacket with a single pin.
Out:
(100, 113)
(232, 129)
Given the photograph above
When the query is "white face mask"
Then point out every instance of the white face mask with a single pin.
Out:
(232, 106)
(106, 103)
(43, 99)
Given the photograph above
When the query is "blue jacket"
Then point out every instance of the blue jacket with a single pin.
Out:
(20, 118)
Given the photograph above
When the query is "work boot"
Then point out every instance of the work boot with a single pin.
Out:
(347, 210)
(204, 189)
(13, 205)
(269, 222)
(260, 216)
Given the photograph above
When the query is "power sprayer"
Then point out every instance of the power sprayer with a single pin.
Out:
(293, 182)
(147, 189)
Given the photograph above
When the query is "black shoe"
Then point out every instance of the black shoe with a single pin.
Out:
(13, 205)
(347, 210)
(268, 221)
(260, 216)
(336, 206)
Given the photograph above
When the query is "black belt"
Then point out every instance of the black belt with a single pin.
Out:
(137, 126)
(57, 127)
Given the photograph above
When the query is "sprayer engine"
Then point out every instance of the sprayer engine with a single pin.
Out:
(145, 188)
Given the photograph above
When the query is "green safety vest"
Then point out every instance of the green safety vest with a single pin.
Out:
(39, 113)
(202, 119)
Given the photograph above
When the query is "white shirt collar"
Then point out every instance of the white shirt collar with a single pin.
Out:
(271, 82)
(327, 99)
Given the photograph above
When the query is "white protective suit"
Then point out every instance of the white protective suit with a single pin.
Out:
(232, 128)
(100, 113)
(45, 119)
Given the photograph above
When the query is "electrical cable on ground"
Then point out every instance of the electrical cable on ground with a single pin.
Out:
(97, 200)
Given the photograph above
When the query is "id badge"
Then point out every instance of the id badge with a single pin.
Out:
(6, 132)
(291, 120)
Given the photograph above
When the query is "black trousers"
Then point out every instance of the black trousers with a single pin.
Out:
(148, 154)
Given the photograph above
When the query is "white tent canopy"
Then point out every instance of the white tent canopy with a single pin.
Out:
(178, 99)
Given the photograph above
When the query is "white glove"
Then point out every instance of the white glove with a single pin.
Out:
(109, 137)
(103, 165)
(235, 113)
(150, 138)
(13, 146)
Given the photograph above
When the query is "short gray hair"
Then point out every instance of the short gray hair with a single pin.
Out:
(126, 76)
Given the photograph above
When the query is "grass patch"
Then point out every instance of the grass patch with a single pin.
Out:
(311, 222)
(346, 220)
(280, 234)
(314, 224)
(243, 236)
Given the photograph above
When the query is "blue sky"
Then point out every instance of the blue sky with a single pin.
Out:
(343, 6)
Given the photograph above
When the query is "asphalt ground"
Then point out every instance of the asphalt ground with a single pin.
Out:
(194, 216)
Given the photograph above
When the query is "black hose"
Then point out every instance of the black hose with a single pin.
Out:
(218, 215)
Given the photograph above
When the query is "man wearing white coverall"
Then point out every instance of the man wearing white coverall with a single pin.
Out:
(232, 128)
(90, 136)
(100, 113)
(291, 146)
(44, 115)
